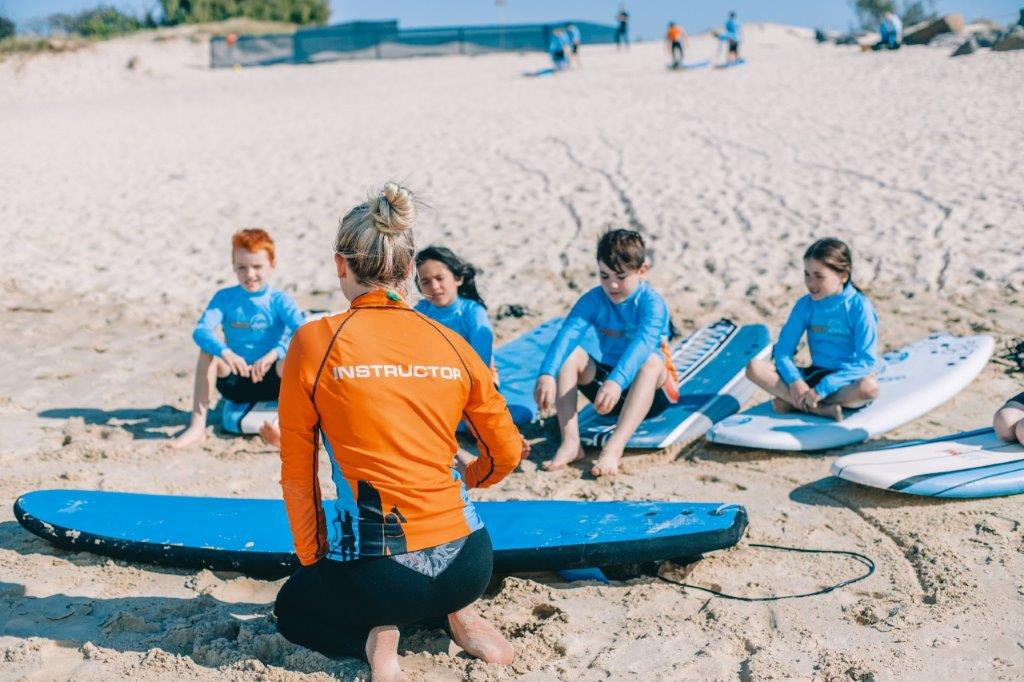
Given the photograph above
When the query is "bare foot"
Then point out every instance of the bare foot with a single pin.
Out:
(270, 432)
(607, 464)
(193, 435)
(479, 638)
(382, 654)
(566, 454)
(829, 411)
(782, 406)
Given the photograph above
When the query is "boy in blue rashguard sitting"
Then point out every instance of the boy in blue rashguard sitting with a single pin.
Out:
(257, 323)
(634, 377)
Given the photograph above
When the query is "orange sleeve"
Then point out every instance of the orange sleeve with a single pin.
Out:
(300, 446)
(500, 442)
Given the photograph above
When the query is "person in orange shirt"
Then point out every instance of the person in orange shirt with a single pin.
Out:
(383, 388)
(674, 39)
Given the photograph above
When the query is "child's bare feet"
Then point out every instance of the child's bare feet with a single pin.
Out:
(479, 638)
(193, 435)
(782, 406)
(567, 453)
(834, 412)
(382, 654)
(607, 464)
(270, 432)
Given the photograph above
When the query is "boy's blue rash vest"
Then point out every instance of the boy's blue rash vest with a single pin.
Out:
(842, 334)
(468, 318)
(732, 29)
(254, 323)
(628, 332)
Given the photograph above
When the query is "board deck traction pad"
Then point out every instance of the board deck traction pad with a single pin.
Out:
(710, 364)
(252, 536)
(976, 464)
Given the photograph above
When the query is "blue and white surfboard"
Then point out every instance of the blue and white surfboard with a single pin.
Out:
(963, 465)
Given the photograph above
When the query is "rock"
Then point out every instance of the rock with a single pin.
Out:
(820, 36)
(969, 46)
(921, 34)
(848, 39)
(946, 41)
(987, 38)
(1014, 40)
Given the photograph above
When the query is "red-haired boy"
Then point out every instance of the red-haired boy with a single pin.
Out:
(256, 322)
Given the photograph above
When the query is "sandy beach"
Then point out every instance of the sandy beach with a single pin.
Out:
(121, 188)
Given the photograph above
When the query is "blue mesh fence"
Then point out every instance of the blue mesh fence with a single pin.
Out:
(384, 40)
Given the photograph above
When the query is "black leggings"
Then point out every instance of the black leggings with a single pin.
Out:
(331, 606)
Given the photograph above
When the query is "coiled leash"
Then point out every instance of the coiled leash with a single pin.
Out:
(864, 560)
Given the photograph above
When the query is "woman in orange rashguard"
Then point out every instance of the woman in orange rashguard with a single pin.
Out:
(383, 389)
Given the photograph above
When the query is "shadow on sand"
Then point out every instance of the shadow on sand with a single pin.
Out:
(835, 492)
(157, 423)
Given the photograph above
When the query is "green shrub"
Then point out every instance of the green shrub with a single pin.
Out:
(290, 11)
(870, 12)
(7, 28)
(102, 22)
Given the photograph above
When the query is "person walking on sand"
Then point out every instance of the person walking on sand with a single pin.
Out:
(383, 389)
(674, 39)
(575, 39)
(622, 31)
(731, 37)
(558, 48)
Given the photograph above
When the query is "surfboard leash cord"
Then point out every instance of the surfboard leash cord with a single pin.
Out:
(862, 559)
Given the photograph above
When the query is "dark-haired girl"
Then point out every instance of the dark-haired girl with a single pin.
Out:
(842, 335)
(449, 286)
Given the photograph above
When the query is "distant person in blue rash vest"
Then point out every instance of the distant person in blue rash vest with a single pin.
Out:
(1009, 420)
(634, 378)
(622, 30)
(891, 32)
(731, 36)
(575, 39)
(256, 322)
(842, 333)
(558, 48)
(448, 285)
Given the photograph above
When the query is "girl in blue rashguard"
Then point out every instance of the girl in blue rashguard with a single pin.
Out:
(842, 335)
(448, 284)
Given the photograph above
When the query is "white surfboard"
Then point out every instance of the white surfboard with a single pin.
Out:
(964, 465)
(912, 381)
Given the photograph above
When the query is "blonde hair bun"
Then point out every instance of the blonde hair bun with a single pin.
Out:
(393, 209)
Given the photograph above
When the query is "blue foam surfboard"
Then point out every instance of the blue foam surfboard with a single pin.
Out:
(252, 536)
(710, 364)
(689, 65)
(729, 65)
